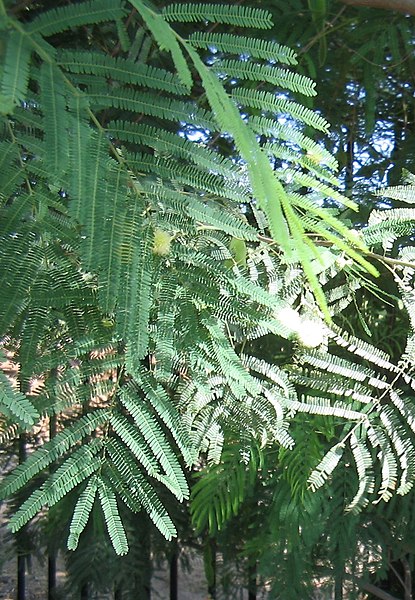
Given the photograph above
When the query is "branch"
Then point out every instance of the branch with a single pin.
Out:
(374, 590)
(369, 587)
(406, 7)
(390, 261)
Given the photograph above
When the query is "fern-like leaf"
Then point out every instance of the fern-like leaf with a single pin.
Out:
(16, 405)
(54, 105)
(241, 16)
(234, 44)
(15, 75)
(78, 467)
(257, 72)
(112, 517)
(81, 513)
(326, 467)
(65, 17)
(166, 39)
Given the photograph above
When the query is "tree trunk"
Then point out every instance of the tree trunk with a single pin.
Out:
(20, 538)
(174, 576)
(338, 587)
(407, 578)
(51, 576)
(85, 592)
(252, 586)
(406, 7)
(141, 574)
(21, 576)
(52, 554)
(209, 559)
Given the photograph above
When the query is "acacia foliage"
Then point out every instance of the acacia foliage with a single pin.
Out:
(136, 263)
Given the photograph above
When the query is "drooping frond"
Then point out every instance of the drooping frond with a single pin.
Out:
(15, 405)
(15, 75)
(157, 443)
(135, 487)
(268, 102)
(146, 238)
(125, 70)
(241, 16)
(112, 518)
(166, 40)
(54, 105)
(234, 44)
(81, 512)
(405, 193)
(386, 229)
(65, 17)
(256, 72)
(220, 489)
(326, 467)
(52, 451)
(82, 463)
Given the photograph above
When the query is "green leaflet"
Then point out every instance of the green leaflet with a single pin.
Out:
(267, 101)
(166, 39)
(115, 236)
(15, 404)
(405, 193)
(152, 105)
(235, 44)
(11, 172)
(363, 460)
(62, 18)
(221, 489)
(265, 187)
(167, 412)
(166, 144)
(51, 451)
(257, 72)
(15, 75)
(126, 71)
(141, 488)
(112, 517)
(54, 106)
(135, 304)
(78, 467)
(81, 512)
(132, 438)
(326, 466)
(80, 139)
(242, 16)
(156, 442)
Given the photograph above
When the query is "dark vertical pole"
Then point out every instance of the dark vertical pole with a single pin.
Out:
(338, 586)
(141, 574)
(118, 593)
(210, 566)
(174, 575)
(51, 576)
(407, 578)
(252, 586)
(85, 591)
(51, 552)
(21, 552)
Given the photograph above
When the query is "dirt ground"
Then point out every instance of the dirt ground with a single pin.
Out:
(191, 585)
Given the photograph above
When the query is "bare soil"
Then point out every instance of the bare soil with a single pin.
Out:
(191, 585)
